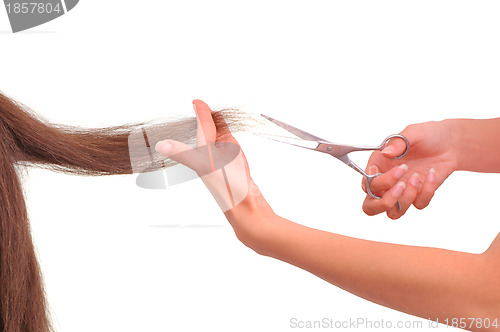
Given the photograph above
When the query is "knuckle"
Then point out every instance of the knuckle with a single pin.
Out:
(420, 205)
(410, 128)
(394, 215)
(379, 184)
(386, 205)
(423, 201)
(368, 209)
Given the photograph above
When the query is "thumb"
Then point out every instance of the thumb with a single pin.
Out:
(181, 153)
(395, 147)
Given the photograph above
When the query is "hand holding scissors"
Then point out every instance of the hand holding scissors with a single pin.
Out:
(312, 142)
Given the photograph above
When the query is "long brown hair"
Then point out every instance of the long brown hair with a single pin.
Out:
(29, 140)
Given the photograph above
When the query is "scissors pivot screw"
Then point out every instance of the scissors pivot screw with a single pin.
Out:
(329, 148)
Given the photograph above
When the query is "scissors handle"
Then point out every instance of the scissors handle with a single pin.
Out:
(338, 150)
(388, 138)
(369, 178)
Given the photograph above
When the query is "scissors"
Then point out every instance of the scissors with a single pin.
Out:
(311, 142)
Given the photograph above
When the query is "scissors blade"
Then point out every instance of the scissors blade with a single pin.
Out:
(311, 145)
(296, 131)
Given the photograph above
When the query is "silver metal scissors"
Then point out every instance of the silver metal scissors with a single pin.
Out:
(311, 142)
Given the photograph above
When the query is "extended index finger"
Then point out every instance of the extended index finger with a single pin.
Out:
(206, 131)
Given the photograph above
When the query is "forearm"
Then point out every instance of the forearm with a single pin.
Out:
(476, 143)
(426, 282)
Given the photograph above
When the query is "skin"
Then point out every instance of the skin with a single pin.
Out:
(445, 147)
(426, 282)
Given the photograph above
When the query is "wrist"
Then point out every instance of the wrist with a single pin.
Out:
(475, 143)
(251, 219)
(453, 132)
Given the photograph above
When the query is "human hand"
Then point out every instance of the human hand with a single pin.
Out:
(223, 168)
(217, 159)
(414, 178)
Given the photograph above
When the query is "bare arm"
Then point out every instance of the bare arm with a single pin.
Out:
(426, 282)
(477, 144)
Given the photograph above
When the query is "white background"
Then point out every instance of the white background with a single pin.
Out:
(349, 71)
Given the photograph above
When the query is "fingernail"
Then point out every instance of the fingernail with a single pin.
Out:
(415, 180)
(432, 175)
(163, 147)
(400, 171)
(387, 150)
(398, 189)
